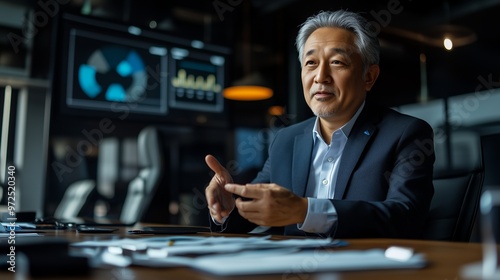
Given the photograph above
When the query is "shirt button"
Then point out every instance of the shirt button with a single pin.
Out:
(325, 181)
(330, 159)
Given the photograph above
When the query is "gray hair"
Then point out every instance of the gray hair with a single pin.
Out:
(365, 39)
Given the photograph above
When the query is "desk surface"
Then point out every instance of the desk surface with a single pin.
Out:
(446, 260)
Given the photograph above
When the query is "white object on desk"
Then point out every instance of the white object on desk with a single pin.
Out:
(399, 253)
(256, 255)
(309, 261)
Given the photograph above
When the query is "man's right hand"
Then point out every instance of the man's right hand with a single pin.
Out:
(220, 202)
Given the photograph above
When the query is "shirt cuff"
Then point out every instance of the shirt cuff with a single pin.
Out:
(224, 219)
(321, 216)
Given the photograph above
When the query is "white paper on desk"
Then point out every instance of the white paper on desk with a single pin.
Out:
(160, 242)
(309, 261)
(176, 261)
(204, 245)
(230, 245)
(20, 234)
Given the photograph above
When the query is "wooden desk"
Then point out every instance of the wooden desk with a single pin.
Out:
(446, 260)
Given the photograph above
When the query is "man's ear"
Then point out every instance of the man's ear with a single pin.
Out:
(371, 76)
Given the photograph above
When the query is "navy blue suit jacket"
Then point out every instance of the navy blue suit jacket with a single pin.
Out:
(384, 185)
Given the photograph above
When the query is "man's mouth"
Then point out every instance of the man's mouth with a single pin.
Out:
(322, 94)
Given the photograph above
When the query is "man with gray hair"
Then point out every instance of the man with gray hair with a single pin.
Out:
(355, 170)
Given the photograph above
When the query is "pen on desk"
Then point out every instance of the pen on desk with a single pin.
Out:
(138, 231)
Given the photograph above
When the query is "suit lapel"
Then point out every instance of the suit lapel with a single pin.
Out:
(302, 150)
(361, 133)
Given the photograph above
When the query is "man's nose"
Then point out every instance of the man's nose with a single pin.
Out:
(323, 74)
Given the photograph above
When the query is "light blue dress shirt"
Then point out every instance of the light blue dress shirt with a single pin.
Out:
(321, 214)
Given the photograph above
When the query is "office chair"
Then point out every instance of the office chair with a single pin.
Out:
(76, 200)
(454, 207)
(143, 187)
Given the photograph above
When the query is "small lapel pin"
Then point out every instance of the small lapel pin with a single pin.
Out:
(366, 132)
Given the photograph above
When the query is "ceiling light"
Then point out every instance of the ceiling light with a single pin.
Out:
(448, 44)
(250, 88)
(247, 93)
(458, 35)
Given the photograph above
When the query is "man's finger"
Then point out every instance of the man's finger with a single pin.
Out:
(247, 206)
(248, 191)
(210, 195)
(214, 164)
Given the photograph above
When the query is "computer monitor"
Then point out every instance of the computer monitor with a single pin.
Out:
(113, 73)
(110, 69)
(198, 80)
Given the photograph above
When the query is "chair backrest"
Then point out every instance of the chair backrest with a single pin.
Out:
(143, 187)
(454, 207)
(75, 198)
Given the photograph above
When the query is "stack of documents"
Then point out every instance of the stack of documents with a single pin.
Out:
(8, 230)
(240, 255)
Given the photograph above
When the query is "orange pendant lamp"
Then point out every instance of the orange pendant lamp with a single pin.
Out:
(252, 87)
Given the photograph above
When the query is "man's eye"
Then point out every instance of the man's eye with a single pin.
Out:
(309, 62)
(337, 62)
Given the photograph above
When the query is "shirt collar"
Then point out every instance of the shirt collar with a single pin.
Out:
(346, 128)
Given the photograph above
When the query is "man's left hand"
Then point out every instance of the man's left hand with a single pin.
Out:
(269, 204)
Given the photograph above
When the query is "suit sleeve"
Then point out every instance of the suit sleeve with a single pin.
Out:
(404, 169)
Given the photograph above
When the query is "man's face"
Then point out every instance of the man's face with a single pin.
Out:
(332, 74)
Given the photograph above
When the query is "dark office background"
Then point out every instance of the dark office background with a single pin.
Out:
(254, 37)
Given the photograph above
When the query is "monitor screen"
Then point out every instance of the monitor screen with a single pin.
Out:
(197, 81)
(116, 70)
(107, 73)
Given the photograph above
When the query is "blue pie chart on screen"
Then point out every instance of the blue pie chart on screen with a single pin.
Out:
(113, 73)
